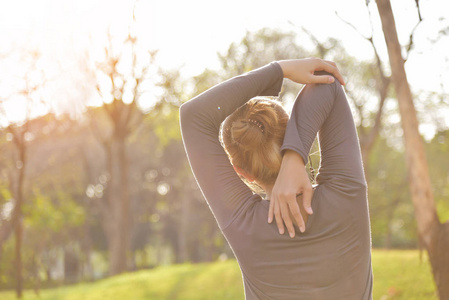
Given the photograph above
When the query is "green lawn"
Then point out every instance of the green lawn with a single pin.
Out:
(397, 275)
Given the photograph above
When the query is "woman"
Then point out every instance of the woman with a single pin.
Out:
(330, 257)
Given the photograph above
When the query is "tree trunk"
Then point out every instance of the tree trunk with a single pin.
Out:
(118, 221)
(183, 252)
(18, 215)
(71, 266)
(114, 205)
(434, 235)
(18, 233)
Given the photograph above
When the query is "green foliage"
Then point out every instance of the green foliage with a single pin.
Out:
(396, 274)
(392, 217)
(5, 194)
(254, 50)
(49, 225)
(437, 156)
(259, 48)
(166, 124)
(6, 270)
(45, 217)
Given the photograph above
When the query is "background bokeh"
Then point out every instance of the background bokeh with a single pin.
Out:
(90, 147)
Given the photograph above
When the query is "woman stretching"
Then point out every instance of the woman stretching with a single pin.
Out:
(330, 256)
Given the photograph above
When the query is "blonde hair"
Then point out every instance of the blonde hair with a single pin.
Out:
(252, 137)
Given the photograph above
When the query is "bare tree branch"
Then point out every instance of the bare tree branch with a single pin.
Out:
(419, 10)
(367, 139)
(359, 109)
(410, 45)
(370, 138)
(368, 38)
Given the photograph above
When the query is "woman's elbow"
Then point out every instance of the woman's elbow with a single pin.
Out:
(185, 113)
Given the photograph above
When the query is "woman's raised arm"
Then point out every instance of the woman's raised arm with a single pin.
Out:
(200, 120)
(324, 109)
(202, 116)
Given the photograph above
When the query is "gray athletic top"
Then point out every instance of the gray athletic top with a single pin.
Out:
(332, 258)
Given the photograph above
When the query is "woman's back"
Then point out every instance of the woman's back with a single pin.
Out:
(331, 259)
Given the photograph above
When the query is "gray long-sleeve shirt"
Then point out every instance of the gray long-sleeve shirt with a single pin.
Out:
(332, 258)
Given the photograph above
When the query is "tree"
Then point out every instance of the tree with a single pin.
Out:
(369, 123)
(28, 90)
(382, 82)
(126, 71)
(433, 234)
(52, 212)
(392, 218)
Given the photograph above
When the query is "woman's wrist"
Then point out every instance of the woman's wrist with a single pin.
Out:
(303, 70)
(292, 157)
(284, 64)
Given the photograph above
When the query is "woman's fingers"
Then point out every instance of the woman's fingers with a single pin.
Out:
(330, 67)
(302, 70)
(288, 222)
(321, 79)
(307, 200)
(296, 213)
(278, 217)
(330, 62)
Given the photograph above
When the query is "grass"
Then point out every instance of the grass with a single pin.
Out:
(398, 274)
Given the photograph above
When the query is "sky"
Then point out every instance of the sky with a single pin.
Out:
(188, 34)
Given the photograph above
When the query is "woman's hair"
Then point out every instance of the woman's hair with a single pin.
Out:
(252, 137)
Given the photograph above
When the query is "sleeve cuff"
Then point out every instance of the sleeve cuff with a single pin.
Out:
(275, 89)
(300, 151)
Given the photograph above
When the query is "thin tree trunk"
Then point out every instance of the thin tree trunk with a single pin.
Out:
(18, 215)
(124, 204)
(114, 206)
(434, 235)
(118, 239)
(88, 271)
(183, 252)
(18, 233)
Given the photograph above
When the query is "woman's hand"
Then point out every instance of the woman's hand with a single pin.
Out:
(302, 70)
(291, 181)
